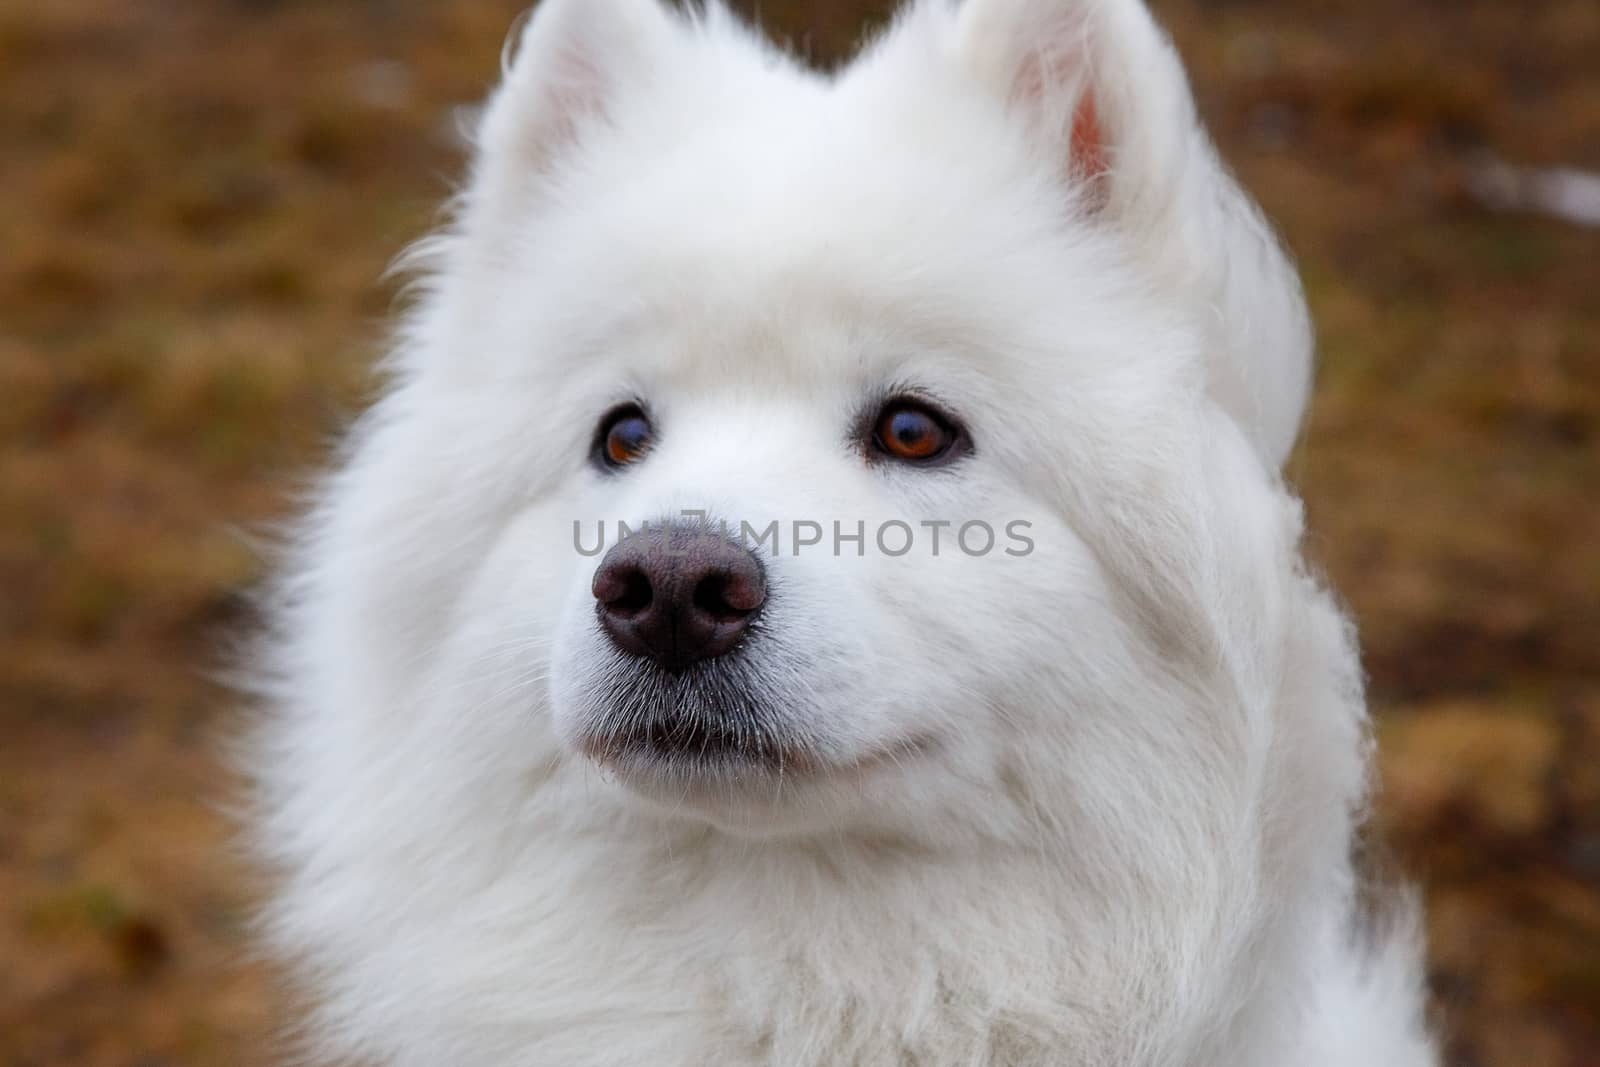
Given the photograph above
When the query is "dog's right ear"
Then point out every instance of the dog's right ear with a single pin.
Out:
(1103, 94)
(572, 63)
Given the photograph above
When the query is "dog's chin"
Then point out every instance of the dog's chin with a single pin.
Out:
(704, 748)
(756, 787)
(719, 743)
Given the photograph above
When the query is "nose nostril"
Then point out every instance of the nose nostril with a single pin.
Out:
(726, 597)
(624, 591)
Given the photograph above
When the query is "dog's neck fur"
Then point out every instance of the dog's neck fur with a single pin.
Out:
(674, 944)
(643, 937)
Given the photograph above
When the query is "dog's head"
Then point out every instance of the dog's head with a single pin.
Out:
(943, 399)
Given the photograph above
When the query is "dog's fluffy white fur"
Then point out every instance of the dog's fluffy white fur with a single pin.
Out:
(1091, 806)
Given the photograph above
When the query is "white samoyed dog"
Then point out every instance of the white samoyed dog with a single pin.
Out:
(957, 695)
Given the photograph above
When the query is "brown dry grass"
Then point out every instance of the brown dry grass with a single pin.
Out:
(199, 198)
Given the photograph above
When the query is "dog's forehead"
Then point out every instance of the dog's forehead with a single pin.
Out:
(795, 332)
(811, 251)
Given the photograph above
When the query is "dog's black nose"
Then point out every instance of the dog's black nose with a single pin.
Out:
(678, 594)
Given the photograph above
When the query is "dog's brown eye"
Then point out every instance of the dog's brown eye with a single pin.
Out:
(624, 436)
(910, 432)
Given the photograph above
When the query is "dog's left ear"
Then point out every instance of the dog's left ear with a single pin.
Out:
(1103, 90)
(572, 65)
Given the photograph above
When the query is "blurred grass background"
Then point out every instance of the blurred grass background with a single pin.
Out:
(199, 199)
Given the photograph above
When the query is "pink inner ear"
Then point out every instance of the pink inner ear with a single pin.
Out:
(1088, 145)
(1088, 155)
(577, 84)
(564, 70)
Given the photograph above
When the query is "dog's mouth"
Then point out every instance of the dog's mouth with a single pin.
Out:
(697, 745)
(719, 733)
(718, 720)
(689, 757)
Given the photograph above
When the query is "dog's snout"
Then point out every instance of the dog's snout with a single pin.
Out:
(678, 594)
